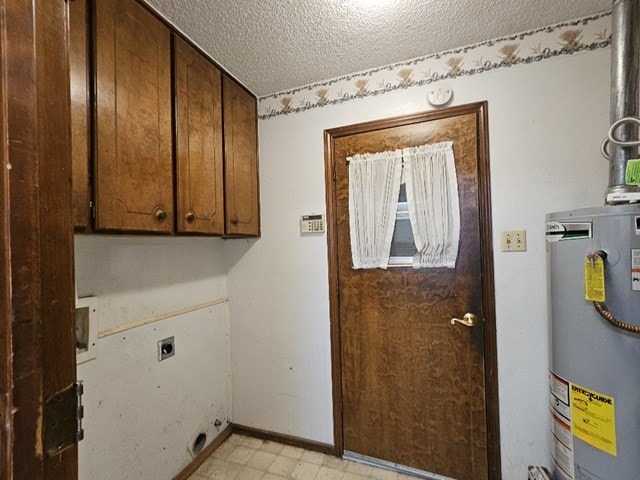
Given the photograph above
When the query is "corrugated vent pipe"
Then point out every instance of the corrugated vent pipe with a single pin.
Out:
(625, 43)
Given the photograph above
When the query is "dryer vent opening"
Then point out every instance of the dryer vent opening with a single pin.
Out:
(197, 444)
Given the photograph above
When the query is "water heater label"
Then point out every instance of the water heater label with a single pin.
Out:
(562, 439)
(635, 269)
(593, 418)
(557, 231)
(594, 279)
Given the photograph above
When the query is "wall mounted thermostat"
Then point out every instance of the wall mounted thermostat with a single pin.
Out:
(312, 224)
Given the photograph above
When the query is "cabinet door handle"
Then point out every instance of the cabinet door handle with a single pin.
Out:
(160, 214)
(190, 216)
(234, 220)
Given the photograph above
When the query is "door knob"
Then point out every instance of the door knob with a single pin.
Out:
(469, 320)
(160, 214)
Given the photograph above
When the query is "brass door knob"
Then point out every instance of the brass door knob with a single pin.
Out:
(469, 320)
(190, 216)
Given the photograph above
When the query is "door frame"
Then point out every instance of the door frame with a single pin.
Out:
(486, 249)
(37, 323)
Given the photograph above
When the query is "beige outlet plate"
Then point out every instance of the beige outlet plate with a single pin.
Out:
(513, 241)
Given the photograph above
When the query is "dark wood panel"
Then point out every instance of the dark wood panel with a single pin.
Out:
(242, 199)
(377, 416)
(80, 133)
(38, 229)
(199, 166)
(133, 164)
(6, 361)
(57, 292)
(20, 72)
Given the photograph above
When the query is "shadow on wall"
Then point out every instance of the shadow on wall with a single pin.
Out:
(236, 249)
(108, 264)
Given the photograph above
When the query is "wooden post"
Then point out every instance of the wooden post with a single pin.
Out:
(37, 235)
(6, 370)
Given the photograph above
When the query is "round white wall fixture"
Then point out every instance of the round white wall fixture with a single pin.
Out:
(440, 96)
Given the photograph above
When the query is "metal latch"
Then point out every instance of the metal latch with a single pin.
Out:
(63, 420)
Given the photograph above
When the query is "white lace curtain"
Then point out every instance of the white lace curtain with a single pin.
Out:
(432, 199)
(374, 185)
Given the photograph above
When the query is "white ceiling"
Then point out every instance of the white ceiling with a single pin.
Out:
(275, 45)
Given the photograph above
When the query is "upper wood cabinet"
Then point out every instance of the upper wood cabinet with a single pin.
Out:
(199, 174)
(162, 140)
(79, 80)
(242, 200)
(133, 153)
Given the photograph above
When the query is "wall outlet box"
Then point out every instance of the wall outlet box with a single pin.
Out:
(513, 241)
(166, 348)
(86, 329)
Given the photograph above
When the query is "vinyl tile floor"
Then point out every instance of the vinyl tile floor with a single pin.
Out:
(246, 458)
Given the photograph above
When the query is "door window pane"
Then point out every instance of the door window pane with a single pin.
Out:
(403, 247)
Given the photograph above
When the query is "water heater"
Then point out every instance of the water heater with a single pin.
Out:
(594, 379)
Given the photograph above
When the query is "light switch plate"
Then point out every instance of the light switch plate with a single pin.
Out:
(513, 241)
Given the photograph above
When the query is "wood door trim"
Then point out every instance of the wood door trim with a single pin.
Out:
(37, 233)
(284, 439)
(488, 289)
(488, 297)
(334, 301)
(6, 338)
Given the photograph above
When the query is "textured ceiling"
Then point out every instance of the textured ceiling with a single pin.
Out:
(275, 45)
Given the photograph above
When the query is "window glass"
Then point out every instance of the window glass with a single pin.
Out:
(403, 247)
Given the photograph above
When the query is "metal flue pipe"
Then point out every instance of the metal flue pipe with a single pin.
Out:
(625, 53)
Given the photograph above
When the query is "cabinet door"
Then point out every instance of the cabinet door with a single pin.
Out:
(133, 162)
(242, 202)
(200, 195)
(79, 79)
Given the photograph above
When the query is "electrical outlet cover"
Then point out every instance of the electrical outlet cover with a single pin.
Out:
(513, 241)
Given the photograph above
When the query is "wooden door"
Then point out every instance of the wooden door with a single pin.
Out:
(242, 200)
(37, 348)
(133, 162)
(414, 389)
(200, 194)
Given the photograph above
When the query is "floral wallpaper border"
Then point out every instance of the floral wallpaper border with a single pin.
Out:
(589, 33)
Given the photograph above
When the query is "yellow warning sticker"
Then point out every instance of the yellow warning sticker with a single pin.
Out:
(594, 279)
(593, 418)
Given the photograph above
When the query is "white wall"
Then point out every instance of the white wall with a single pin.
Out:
(546, 122)
(141, 414)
